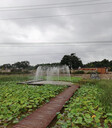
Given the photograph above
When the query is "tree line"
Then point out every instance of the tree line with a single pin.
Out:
(17, 65)
(72, 61)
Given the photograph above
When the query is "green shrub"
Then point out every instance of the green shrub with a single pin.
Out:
(92, 72)
(79, 72)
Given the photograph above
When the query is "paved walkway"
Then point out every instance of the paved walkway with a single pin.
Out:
(43, 116)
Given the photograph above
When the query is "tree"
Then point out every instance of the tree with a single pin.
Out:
(99, 64)
(105, 63)
(6, 66)
(110, 65)
(72, 61)
(21, 65)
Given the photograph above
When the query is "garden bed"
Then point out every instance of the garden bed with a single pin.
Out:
(18, 101)
(85, 110)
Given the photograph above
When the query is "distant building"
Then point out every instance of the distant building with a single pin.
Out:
(5, 71)
(99, 70)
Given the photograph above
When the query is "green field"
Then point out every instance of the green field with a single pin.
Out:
(90, 106)
(17, 101)
(6, 78)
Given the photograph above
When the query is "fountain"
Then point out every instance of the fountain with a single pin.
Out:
(52, 73)
(55, 75)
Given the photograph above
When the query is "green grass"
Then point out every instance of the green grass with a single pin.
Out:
(76, 79)
(7, 78)
(62, 78)
(68, 79)
(72, 79)
(106, 95)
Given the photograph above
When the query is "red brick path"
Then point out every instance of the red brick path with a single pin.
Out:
(43, 116)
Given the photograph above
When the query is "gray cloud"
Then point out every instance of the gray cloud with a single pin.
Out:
(77, 28)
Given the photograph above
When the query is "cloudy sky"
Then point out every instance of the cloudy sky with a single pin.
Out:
(42, 31)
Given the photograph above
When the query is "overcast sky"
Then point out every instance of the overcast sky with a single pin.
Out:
(45, 39)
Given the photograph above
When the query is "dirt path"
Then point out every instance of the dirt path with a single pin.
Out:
(43, 116)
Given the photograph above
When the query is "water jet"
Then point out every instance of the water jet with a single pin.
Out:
(54, 75)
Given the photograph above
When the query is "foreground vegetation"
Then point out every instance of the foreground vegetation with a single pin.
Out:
(90, 107)
(17, 101)
(106, 95)
(8, 78)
